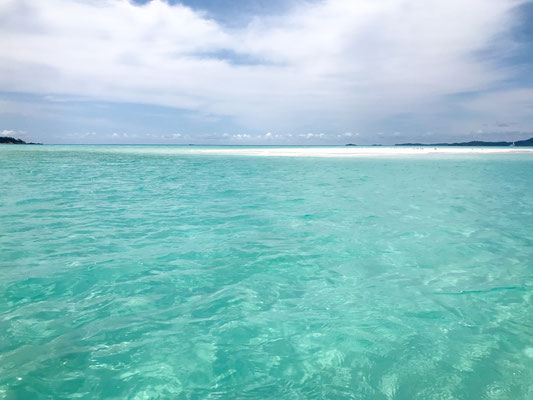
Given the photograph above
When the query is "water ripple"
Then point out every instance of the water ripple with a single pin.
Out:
(144, 275)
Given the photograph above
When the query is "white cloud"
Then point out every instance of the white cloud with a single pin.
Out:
(7, 132)
(241, 136)
(330, 64)
(312, 135)
(12, 133)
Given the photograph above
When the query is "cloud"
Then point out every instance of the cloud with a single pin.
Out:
(348, 134)
(328, 65)
(241, 136)
(11, 133)
(7, 132)
(312, 135)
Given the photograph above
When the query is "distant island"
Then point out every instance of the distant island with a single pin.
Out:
(527, 142)
(12, 140)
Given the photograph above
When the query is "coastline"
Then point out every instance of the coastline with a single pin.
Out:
(359, 151)
(285, 151)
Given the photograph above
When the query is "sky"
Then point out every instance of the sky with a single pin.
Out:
(274, 72)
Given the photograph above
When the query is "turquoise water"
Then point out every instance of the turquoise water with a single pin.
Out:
(129, 273)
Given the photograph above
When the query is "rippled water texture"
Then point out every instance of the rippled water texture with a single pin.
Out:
(152, 274)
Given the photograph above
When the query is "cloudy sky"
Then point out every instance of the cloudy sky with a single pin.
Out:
(266, 71)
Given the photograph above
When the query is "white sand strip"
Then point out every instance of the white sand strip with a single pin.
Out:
(359, 151)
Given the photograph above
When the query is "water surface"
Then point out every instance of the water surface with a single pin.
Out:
(162, 274)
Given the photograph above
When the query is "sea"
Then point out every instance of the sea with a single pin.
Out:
(162, 272)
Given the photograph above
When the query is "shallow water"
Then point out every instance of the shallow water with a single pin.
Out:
(160, 274)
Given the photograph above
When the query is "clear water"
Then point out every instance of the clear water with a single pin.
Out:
(134, 273)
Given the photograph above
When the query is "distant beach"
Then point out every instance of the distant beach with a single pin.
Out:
(282, 151)
(359, 151)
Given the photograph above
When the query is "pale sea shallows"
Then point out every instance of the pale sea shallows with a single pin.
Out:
(153, 273)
